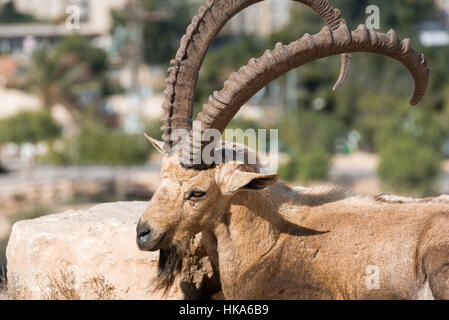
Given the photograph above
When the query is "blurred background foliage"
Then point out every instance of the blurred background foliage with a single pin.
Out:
(95, 95)
(97, 145)
(162, 36)
(28, 127)
(74, 73)
(373, 102)
(9, 14)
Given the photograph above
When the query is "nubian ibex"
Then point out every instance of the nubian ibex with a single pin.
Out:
(265, 239)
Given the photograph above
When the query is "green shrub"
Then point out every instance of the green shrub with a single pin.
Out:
(9, 14)
(306, 166)
(112, 148)
(29, 127)
(85, 52)
(409, 143)
(313, 165)
(96, 145)
(287, 171)
(309, 139)
(409, 166)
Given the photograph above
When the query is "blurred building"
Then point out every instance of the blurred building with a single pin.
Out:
(263, 18)
(95, 22)
(443, 8)
(95, 14)
(15, 101)
(8, 68)
(435, 33)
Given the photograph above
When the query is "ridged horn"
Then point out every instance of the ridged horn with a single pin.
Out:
(242, 85)
(184, 70)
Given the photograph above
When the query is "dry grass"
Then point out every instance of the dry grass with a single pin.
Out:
(3, 290)
(102, 290)
(12, 290)
(62, 287)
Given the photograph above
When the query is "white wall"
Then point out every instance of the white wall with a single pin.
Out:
(262, 18)
(99, 18)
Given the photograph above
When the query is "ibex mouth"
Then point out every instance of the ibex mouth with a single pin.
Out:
(153, 244)
(159, 242)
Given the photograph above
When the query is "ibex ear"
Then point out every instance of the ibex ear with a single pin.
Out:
(159, 145)
(236, 180)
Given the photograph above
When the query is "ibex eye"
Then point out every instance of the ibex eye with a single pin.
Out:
(196, 194)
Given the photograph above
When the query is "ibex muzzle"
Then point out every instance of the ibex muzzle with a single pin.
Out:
(149, 239)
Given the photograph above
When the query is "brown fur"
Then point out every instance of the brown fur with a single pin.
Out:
(282, 243)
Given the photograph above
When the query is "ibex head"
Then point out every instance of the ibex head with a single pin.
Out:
(188, 200)
(194, 192)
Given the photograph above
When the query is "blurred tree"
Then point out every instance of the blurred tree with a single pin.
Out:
(28, 127)
(95, 58)
(374, 100)
(164, 35)
(9, 14)
(408, 166)
(400, 15)
(409, 143)
(164, 23)
(222, 60)
(96, 145)
(396, 14)
(74, 74)
(362, 103)
(309, 138)
(59, 80)
(55, 78)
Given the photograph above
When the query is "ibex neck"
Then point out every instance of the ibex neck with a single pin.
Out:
(248, 232)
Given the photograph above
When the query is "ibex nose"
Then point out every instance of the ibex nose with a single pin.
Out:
(143, 235)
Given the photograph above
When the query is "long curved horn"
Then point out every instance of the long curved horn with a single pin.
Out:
(242, 85)
(184, 70)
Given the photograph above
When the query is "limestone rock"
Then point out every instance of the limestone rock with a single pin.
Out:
(83, 255)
